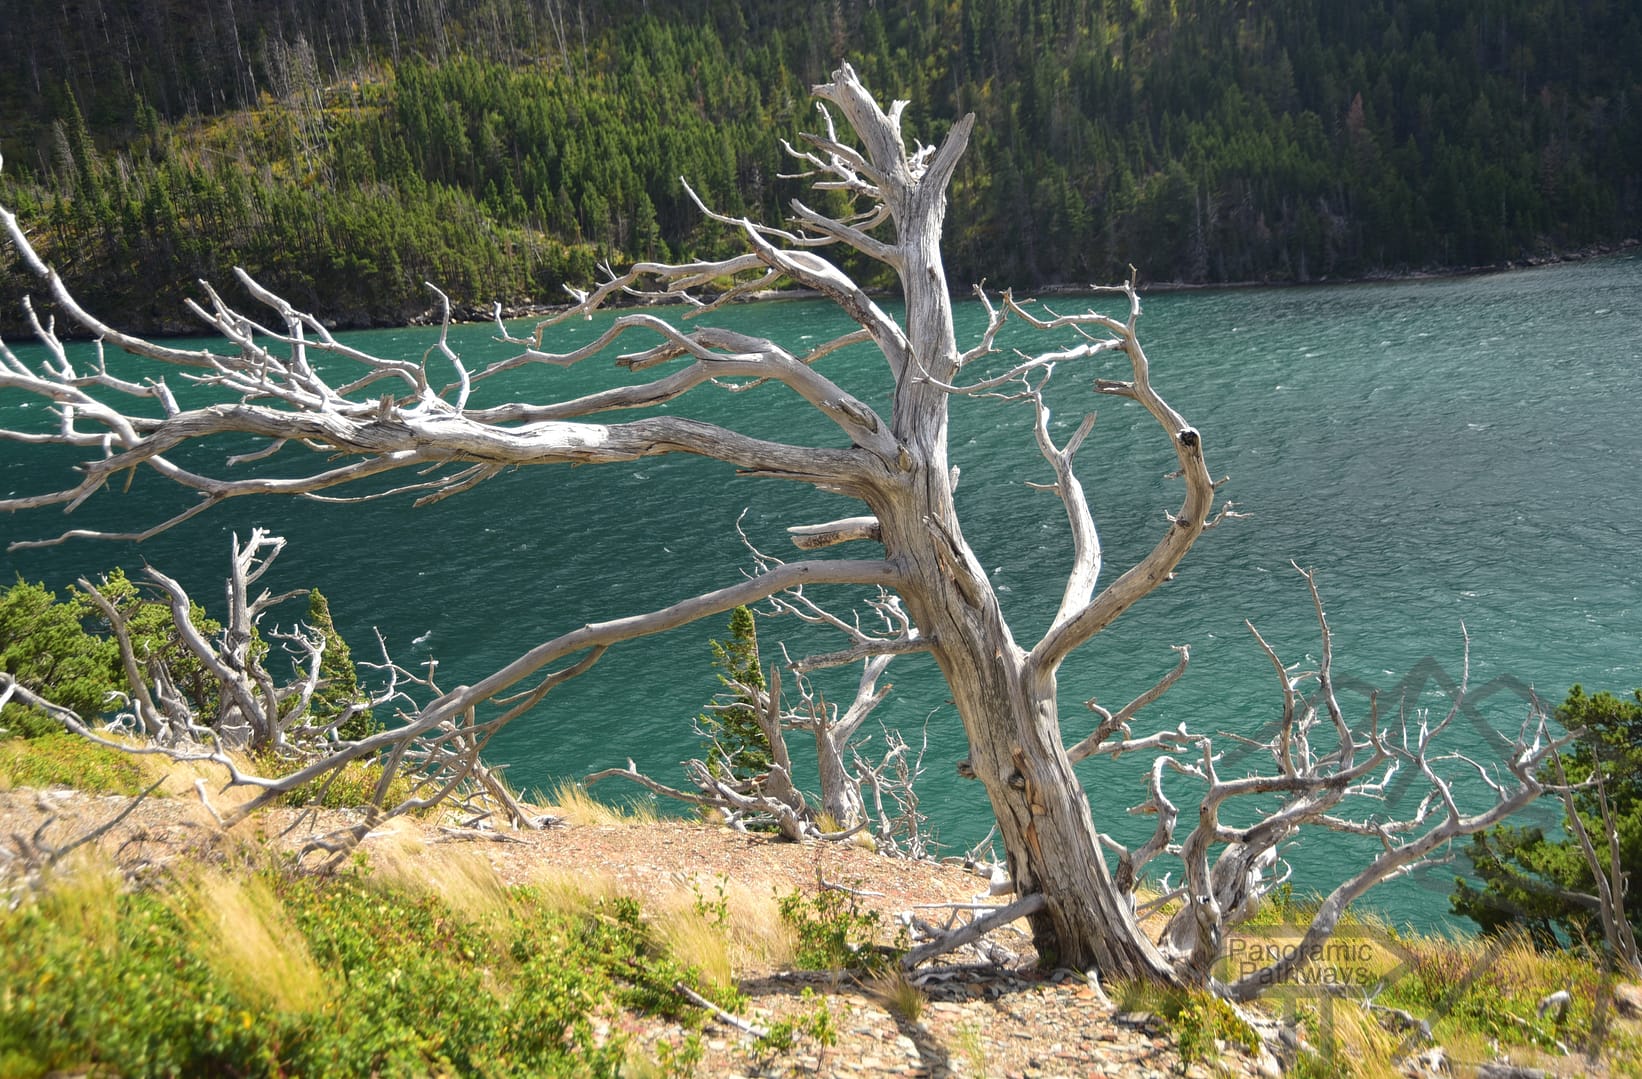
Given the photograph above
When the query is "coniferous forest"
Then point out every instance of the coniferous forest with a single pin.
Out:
(344, 153)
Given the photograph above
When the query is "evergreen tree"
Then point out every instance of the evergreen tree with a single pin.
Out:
(736, 746)
(338, 678)
(45, 645)
(1195, 140)
(1544, 884)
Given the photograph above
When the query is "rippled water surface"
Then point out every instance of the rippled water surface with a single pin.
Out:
(1454, 457)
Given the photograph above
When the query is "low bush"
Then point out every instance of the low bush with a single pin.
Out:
(833, 932)
(68, 760)
(394, 981)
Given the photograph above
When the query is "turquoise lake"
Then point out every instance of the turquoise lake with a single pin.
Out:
(1444, 453)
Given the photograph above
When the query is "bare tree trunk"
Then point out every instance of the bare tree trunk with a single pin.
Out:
(1015, 749)
(1008, 710)
(840, 790)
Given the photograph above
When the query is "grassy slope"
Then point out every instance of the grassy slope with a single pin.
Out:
(419, 959)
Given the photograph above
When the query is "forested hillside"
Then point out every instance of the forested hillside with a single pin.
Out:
(346, 152)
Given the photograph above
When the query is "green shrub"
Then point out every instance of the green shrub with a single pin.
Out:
(46, 646)
(354, 784)
(61, 759)
(96, 980)
(1199, 1020)
(834, 933)
(817, 1023)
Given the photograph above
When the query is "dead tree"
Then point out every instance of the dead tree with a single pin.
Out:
(268, 712)
(256, 710)
(845, 777)
(384, 415)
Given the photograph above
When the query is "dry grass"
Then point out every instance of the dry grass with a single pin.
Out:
(572, 802)
(968, 1045)
(758, 938)
(459, 876)
(695, 940)
(569, 891)
(1353, 1042)
(899, 995)
(723, 927)
(83, 896)
(248, 940)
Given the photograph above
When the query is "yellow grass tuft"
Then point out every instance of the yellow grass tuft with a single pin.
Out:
(900, 996)
(566, 891)
(571, 801)
(758, 936)
(1350, 1041)
(247, 939)
(721, 926)
(694, 940)
(969, 1046)
(461, 877)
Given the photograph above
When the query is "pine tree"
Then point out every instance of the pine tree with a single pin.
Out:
(338, 679)
(1544, 885)
(737, 746)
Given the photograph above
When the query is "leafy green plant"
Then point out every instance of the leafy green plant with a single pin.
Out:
(817, 1023)
(94, 979)
(834, 932)
(60, 759)
(715, 911)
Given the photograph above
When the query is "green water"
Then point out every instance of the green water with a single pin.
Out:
(1444, 453)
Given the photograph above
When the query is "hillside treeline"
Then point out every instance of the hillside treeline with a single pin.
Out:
(347, 152)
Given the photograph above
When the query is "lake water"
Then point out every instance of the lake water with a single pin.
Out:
(1444, 453)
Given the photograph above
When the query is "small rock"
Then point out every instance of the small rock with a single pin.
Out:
(1627, 999)
(1431, 1064)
